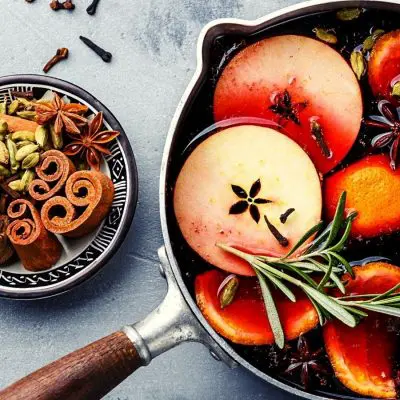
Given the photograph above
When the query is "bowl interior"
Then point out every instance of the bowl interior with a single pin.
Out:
(80, 257)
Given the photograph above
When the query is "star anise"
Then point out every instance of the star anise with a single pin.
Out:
(286, 109)
(68, 116)
(249, 200)
(90, 144)
(310, 364)
(389, 120)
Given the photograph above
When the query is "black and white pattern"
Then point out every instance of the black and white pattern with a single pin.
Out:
(111, 228)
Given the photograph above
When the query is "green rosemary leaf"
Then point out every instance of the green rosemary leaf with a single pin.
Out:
(330, 305)
(327, 275)
(320, 313)
(348, 223)
(390, 300)
(318, 240)
(272, 312)
(334, 277)
(393, 311)
(280, 285)
(309, 267)
(344, 262)
(386, 294)
(337, 221)
(298, 271)
(356, 311)
(304, 238)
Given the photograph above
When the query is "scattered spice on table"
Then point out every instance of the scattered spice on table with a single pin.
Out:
(61, 54)
(91, 10)
(105, 55)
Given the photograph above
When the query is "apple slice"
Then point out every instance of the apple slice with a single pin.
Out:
(18, 124)
(384, 66)
(298, 82)
(372, 188)
(245, 321)
(362, 357)
(231, 181)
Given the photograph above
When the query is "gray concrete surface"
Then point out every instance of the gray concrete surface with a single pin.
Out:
(153, 42)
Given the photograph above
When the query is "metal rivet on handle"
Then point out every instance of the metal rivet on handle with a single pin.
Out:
(215, 356)
(162, 271)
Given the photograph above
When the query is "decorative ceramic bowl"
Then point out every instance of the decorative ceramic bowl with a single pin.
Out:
(81, 258)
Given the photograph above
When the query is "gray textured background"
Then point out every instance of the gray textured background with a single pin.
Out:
(153, 42)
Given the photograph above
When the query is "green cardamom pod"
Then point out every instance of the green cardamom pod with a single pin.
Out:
(3, 107)
(325, 35)
(369, 42)
(13, 107)
(25, 102)
(396, 89)
(27, 179)
(4, 171)
(25, 151)
(22, 143)
(16, 185)
(3, 127)
(4, 155)
(228, 293)
(377, 33)
(348, 14)
(31, 115)
(23, 135)
(30, 161)
(41, 136)
(357, 63)
(56, 139)
(12, 150)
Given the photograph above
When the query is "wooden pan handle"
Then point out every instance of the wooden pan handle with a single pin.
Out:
(86, 374)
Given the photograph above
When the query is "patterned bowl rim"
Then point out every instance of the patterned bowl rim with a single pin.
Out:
(38, 290)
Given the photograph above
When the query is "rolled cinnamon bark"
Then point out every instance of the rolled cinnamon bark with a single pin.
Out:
(53, 170)
(37, 249)
(89, 195)
(6, 249)
(19, 124)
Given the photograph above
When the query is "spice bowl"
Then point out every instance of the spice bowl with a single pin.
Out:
(80, 257)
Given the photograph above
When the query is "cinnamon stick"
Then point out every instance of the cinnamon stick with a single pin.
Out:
(6, 250)
(53, 170)
(89, 195)
(37, 249)
(19, 124)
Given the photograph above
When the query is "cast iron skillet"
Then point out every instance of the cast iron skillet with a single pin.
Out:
(91, 372)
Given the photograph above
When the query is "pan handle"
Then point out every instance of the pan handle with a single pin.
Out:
(91, 372)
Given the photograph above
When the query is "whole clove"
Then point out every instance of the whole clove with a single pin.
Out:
(105, 55)
(284, 242)
(57, 5)
(61, 54)
(283, 218)
(91, 10)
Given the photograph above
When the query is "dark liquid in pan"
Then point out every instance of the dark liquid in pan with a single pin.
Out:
(197, 125)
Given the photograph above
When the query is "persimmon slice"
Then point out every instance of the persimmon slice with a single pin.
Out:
(245, 321)
(362, 356)
(384, 65)
(213, 199)
(372, 188)
(321, 86)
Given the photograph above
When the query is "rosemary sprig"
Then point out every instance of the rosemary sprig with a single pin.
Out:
(322, 255)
